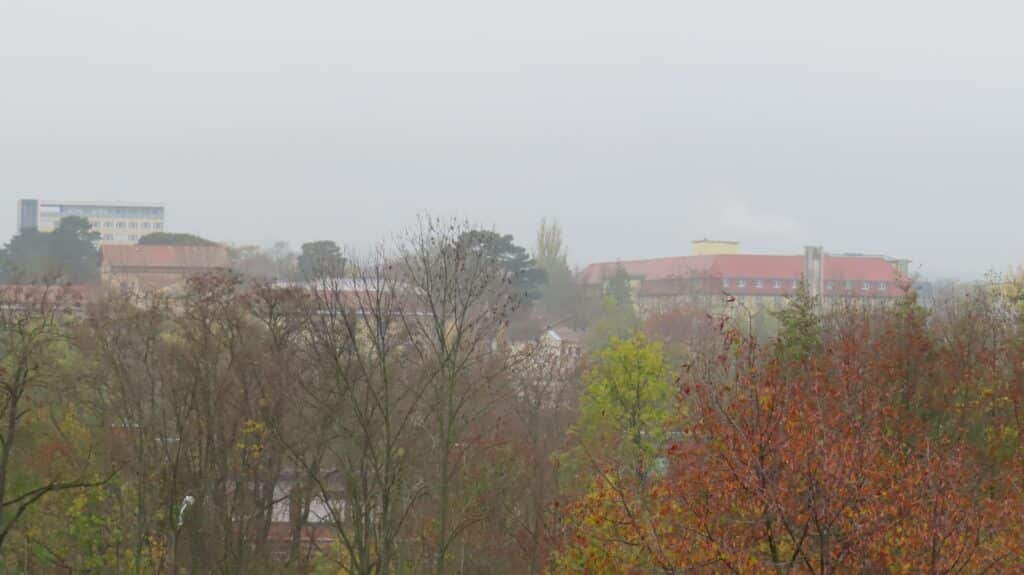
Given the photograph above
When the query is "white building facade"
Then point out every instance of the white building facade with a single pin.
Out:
(117, 223)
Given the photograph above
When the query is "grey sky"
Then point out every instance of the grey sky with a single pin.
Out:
(871, 126)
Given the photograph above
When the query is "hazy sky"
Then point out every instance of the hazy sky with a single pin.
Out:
(872, 126)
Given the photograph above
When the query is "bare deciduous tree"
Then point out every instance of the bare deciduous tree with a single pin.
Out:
(463, 300)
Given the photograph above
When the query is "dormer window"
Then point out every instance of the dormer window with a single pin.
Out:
(725, 282)
(759, 283)
(741, 283)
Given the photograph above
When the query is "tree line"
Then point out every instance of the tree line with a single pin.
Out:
(406, 412)
(373, 418)
(853, 441)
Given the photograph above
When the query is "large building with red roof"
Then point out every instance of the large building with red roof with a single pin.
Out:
(759, 279)
(156, 267)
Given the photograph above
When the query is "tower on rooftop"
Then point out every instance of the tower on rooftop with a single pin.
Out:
(708, 247)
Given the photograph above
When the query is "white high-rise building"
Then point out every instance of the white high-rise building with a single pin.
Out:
(116, 223)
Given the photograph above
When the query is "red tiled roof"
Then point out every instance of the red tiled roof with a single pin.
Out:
(663, 275)
(860, 268)
(660, 268)
(180, 257)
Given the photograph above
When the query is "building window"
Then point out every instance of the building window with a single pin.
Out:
(157, 226)
(145, 225)
(725, 282)
(741, 283)
(829, 285)
(133, 225)
(777, 284)
(848, 285)
(108, 237)
(324, 510)
(759, 283)
(796, 284)
(120, 225)
(882, 286)
(865, 286)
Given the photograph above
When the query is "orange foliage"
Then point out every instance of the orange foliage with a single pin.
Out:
(889, 452)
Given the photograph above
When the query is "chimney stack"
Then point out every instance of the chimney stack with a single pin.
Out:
(814, 271)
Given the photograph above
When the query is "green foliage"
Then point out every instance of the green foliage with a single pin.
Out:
(66, 255)
(561, 298)
(620, 288)
(277, 263)
(800, 328)
(526, 277)
(610, 321)
(911, 313)
(173, 239)
(627, 401)
(614, 315)
(321, 259)
(551, 252)
(80, 528)
(87, 531)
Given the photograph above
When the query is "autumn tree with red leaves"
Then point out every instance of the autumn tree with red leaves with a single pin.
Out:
(879, 451)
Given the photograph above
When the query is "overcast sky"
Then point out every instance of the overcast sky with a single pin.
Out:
(870, 126)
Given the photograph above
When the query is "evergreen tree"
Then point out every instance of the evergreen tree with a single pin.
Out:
(620, 288)
(321, 259)
(519, 267)
(66, 255)
(800, 327)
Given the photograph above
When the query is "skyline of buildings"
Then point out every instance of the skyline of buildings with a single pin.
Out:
(124, 223)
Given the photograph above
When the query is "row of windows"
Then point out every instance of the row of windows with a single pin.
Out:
(864, 286)
(793, 284)
(129, 225)
(93, 211)
(110, 238)
(775, 284)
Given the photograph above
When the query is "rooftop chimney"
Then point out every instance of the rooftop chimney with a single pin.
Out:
(814, 271)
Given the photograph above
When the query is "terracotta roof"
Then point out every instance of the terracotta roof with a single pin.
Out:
(754, 266)
(660, 268)
(177, 257)
(664, 276)
(874, 268)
